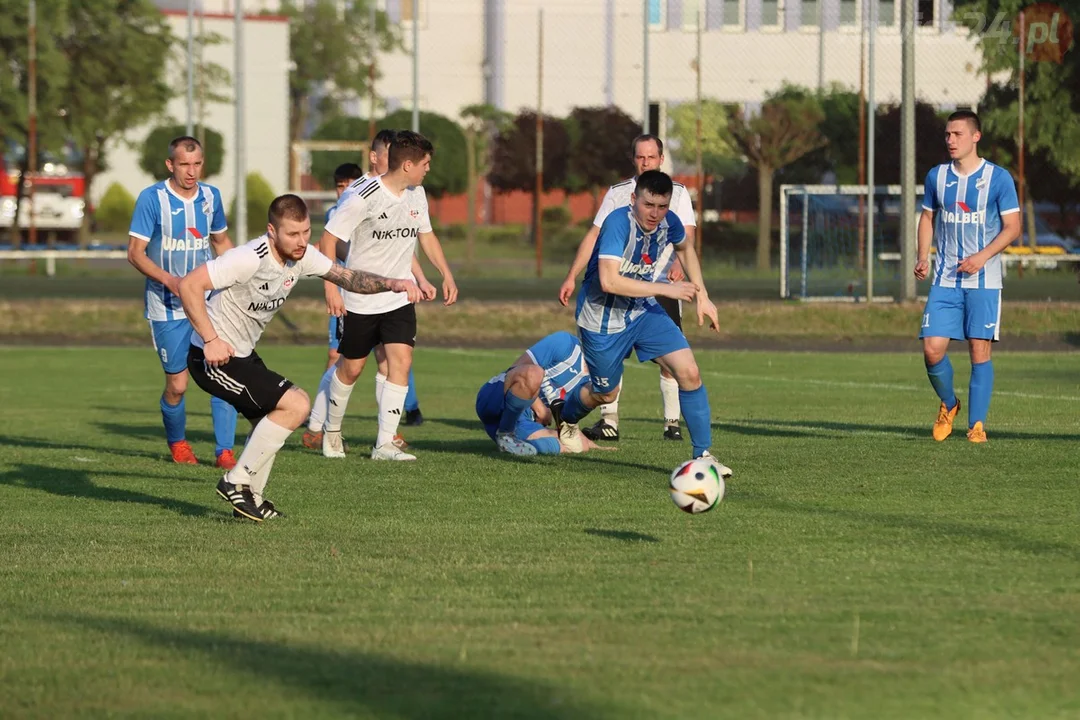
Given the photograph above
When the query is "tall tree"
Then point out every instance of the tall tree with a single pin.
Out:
(784, 131)
(720, 157)
(482, 123)
(52, 74)
(599, 147)
(119, 56)
(513, 162)
(1052, 72)
(332, 45)
(930, 147)
(840, 156)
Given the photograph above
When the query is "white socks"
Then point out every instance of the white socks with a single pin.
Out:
(318, 407)
(337, 401)
(380, 383)
(610, 413)
(390, 407)
(253, 464)
(669, 391)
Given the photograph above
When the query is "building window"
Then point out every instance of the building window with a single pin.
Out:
(809, 16)
(887, 13)
(656, 14)
(690, 14)
(924, 10)
(733, 16)
(772, 13)
(849, 12)
(654, 120)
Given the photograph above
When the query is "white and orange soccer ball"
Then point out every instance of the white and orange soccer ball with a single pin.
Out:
(696, 486)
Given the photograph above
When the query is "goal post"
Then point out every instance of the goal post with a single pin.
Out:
(824, 246)
(301, 160)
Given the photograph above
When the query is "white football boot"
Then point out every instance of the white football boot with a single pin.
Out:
(332, 444)
(724, 470)
(390, 451)
(509, 443)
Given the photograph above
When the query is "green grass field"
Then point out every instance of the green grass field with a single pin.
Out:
(855, 568)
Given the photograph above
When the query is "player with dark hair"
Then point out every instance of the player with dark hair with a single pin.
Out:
(647, 153)
(970, 214)
(617, 311)
(178, 225)
(382, 221)
(246, 288)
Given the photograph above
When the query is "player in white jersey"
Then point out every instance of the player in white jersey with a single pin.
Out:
(379, 160)
(176, 224)
(382, 222)
(647, 152)
(970, 214)
(247, 286)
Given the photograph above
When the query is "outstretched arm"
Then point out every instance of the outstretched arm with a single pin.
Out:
(365, 283)
(581, 259)
(705, 308)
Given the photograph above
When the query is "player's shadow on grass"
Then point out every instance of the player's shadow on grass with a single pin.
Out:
(624, 535)
(826, 429)
(351, 682)
(36, 443)
(925, 526)
(68, 482)
(157, 432)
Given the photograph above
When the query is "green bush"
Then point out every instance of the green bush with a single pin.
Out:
(557, 215)
(113, 213)
(259, 197)
(156, 149)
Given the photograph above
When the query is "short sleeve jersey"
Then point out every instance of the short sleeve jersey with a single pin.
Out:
(177, 232)
(382, 230)
(968, 212)
(250, 286)
(622, 239)
(618, 196)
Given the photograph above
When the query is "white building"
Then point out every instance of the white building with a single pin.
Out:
(266, 105)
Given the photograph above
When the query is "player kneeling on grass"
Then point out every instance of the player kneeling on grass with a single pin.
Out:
(247, 286)
(515, 406)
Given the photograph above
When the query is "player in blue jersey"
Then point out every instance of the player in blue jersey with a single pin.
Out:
(617, 310)
(970, 214)
(515, 405)
(176, 224)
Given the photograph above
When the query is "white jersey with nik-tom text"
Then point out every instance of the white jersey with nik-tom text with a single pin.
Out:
(382, 229)
(250, 286)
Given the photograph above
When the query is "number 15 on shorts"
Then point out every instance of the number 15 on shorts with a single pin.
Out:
(600, 382)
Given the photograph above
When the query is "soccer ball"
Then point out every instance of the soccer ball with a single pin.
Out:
(696, 486)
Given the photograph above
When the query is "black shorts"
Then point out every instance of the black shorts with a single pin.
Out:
(363, 332)
(673, 308)
(245, 383)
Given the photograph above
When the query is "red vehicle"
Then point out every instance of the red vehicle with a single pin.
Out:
(59, 195)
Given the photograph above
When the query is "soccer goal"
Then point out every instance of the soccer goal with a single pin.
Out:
(302, 154)
(824, 244)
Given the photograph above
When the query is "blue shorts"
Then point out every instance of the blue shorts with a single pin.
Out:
(172, 338)
(489, 407)
(334, 331)
(652, 335)
(962, 314)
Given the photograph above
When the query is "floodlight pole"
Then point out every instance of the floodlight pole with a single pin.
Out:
(908, 231)
(537, 225)
(645, 68)
(700, 171)
(31, 126)
(871, 112)
(241, 161)
(416, 66)
(191, 68)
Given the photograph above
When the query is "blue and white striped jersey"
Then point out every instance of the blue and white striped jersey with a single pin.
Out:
(560, 355)
(177, 231)
(642, 256)
(967, 217)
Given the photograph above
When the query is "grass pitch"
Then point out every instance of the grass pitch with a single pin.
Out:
(855, 568)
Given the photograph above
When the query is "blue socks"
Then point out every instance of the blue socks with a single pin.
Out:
(574, 410)
(941, 377)
(513, 406)
(982, 385)
(411, 403)
(695, 410)
(546, 445)
(224, 417)
(175, 419)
